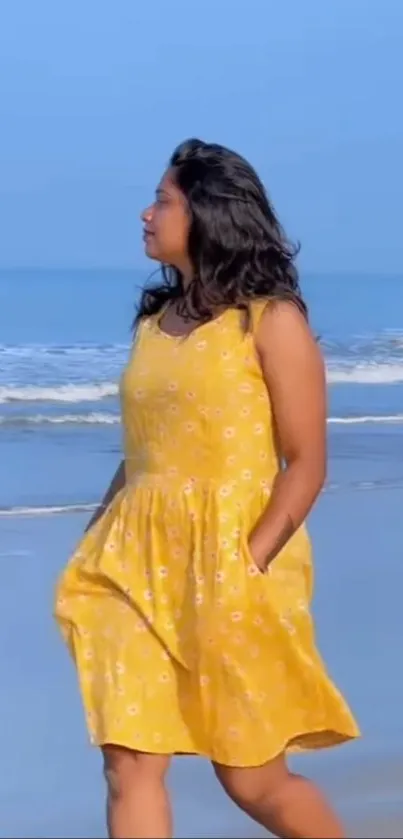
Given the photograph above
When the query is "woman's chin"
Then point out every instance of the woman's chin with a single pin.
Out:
(151, 250)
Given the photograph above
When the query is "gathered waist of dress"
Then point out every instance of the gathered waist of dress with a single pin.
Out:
(223, 484)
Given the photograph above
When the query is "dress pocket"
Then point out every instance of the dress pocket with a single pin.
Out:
(252, 567)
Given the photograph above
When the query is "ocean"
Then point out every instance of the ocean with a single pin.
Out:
(64, 339)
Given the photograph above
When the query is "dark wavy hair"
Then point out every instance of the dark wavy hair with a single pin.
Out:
(236, 245)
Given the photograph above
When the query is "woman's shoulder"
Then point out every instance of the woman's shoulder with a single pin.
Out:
(284, 338)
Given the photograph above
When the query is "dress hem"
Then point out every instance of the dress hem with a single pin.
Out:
(312, 740)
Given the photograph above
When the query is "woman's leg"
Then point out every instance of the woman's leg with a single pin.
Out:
(138, 803)
(286, 804)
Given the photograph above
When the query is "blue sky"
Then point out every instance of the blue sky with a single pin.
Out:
(94, 95)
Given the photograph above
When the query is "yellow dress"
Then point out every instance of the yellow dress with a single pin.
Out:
(181, 644)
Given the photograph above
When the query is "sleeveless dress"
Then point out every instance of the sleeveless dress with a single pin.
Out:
(181, 644)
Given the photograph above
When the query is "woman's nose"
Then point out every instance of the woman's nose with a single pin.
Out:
(146, 215)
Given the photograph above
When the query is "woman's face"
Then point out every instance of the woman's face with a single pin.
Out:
(166, 225)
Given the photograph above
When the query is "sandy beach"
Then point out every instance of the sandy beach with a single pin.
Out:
(52, 784)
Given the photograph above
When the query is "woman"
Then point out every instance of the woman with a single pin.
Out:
(186, 607)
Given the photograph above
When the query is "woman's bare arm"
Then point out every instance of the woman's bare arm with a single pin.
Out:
(294, 372)
(117, 483)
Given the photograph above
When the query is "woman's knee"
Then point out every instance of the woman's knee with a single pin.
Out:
(126, 768)
(249, 786)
